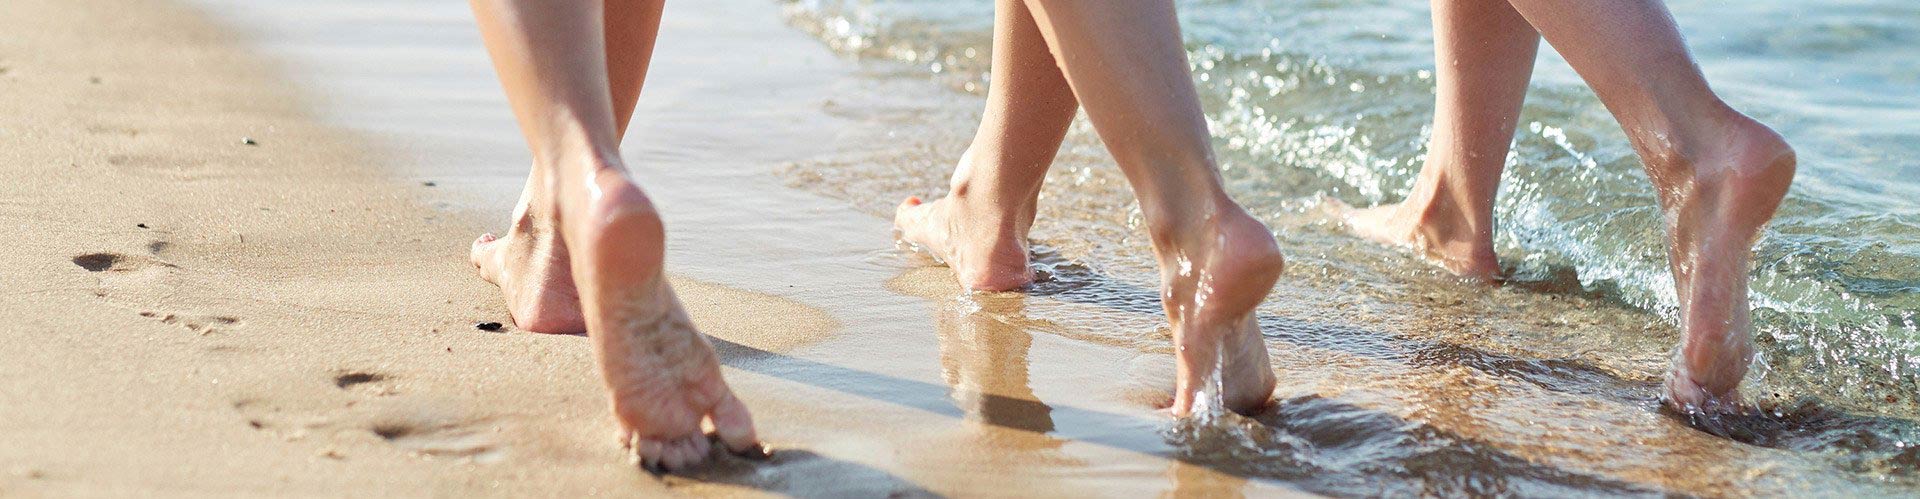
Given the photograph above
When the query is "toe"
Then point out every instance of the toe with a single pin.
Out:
(908, 212)
(647, 453)
(482, 250)
(734, 425)
(1687, 395)
(683, 454)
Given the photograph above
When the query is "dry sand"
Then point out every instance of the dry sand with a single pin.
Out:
(210, 292)
(217, 292)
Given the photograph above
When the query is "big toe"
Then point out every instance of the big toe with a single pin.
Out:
(909, 212)
(481, 254)
(734, 426)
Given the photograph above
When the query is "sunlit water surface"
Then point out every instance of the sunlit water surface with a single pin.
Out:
(1310, 99)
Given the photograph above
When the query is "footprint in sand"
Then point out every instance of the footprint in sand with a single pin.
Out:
(118, 263)
(113, 130)
(267, 417)
(343, 429)
(155, 166)
(427, 437)
(202, 324)
(118, 270)
(447, 440)
(365, 383)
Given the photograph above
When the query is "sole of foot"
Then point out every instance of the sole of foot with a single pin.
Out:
(1212, 282)
(663, 378)
(1717, 203)
(986, 252)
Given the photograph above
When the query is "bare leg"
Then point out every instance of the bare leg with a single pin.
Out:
(530, 263)
(1125, 63)
(1485, 52)
(663, 377)
(980, 228)
(1719, 174)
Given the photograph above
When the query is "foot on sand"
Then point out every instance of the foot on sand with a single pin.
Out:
(593, 240)
(1213, 275)
(530, 266)
(1433, 227)
(983, 240)
(1717, 199)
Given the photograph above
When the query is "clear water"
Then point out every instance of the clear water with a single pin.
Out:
(1315, 98)
(1394, 380)
(1335, 98)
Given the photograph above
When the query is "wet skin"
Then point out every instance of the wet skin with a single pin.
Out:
(1719, 175)
(1123, 61)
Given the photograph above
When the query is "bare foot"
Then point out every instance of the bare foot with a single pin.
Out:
(1716, 202)
(1212, 279)
(1432, 227)
(530, 265)
(663, 377)
(982, 238)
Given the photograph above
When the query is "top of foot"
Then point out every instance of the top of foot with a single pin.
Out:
(986, 253)
(1462, 252)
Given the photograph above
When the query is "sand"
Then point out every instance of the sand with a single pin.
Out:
(212, 293)
(214, 290)
(239, 269)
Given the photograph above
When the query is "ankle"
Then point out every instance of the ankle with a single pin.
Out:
(993, 212)
(1444, 216)
(1225, 233)
(1725, 146)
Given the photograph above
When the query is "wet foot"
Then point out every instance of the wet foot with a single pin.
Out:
(530, 265)
(1212, 280)
(1716, 202)
(983, 240)
(1432, 228)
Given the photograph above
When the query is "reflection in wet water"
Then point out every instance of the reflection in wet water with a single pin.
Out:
(1311, 99)
(1393, 378)
(984, 359)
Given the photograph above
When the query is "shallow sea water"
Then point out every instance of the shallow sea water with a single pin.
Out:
(1394, 379)
(1518, 388)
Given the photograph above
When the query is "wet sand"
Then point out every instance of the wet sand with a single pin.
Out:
(297, 315)
(218, 290)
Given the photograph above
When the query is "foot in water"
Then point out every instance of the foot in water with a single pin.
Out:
(599, 247)
(1213, 276)
(979, 232)
(1717, 200)
(1432, 225)
(1214, 273)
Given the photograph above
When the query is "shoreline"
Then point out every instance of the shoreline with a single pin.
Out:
(300, 312)
(297, 316)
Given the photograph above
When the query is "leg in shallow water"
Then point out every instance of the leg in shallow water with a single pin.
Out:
(980, 228)
(1719, 175)
(1125, 63)
(1484, 53)
(663, 377)
(529, 262)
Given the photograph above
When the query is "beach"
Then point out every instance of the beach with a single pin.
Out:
(242, 270)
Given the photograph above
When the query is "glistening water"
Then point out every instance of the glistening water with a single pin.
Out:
(1395, 378)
